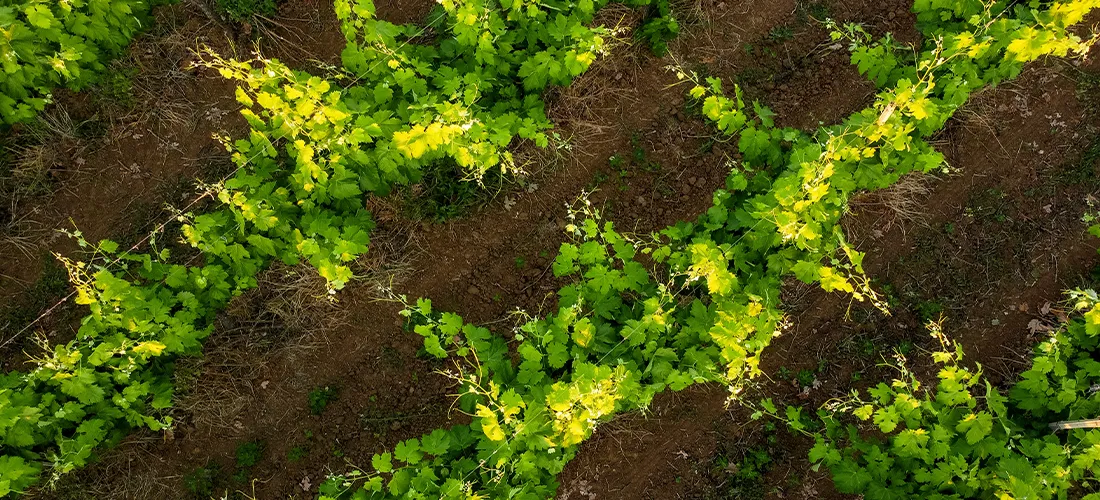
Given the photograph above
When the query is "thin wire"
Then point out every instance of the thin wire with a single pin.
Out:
(160, 227)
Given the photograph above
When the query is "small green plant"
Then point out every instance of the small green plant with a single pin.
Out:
(930, 310)
(297, 453)
(320, 397)
(446, 192)
(744, 478)
(200, 482)
(246, 11)
(116, 89)
(806, 377)
(520, 263)
(249, 454)
(780, 34)
(816, 11)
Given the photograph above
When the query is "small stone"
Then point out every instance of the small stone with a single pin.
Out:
(473, 290)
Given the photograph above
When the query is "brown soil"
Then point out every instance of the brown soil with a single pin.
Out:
(994, 240)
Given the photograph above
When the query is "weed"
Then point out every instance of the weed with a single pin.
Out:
(520, 263)
(46, 147)
(780, 34)
(867, 348)
(320, 397)
(992, 204)
(598, 178)
(297, 453)
(754, 75)
(244, 11)
(745, 477)
(1088, 92)
(445, 192)
(815, 11)
(115, 89)
(1083, 171)
(249, 454)
(200, 482)
(806, 377)
(929, 310)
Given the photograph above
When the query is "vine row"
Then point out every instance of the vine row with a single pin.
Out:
(623, 332)
(317, 147)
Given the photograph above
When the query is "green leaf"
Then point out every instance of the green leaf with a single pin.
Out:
(382, 462)
(408, 451)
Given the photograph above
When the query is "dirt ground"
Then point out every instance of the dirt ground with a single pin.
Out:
(306, 388)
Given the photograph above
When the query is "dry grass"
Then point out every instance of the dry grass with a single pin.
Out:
(160, 63)
(121, 472)
(289, 312)
(903, 202)
(42, 151)
(610, 79)
(532, 161)
(46, 147)
(393, 248)
(23, 235)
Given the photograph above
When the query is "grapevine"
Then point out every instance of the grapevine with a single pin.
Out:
(315, 149)
(622, 332)
(967, 439)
